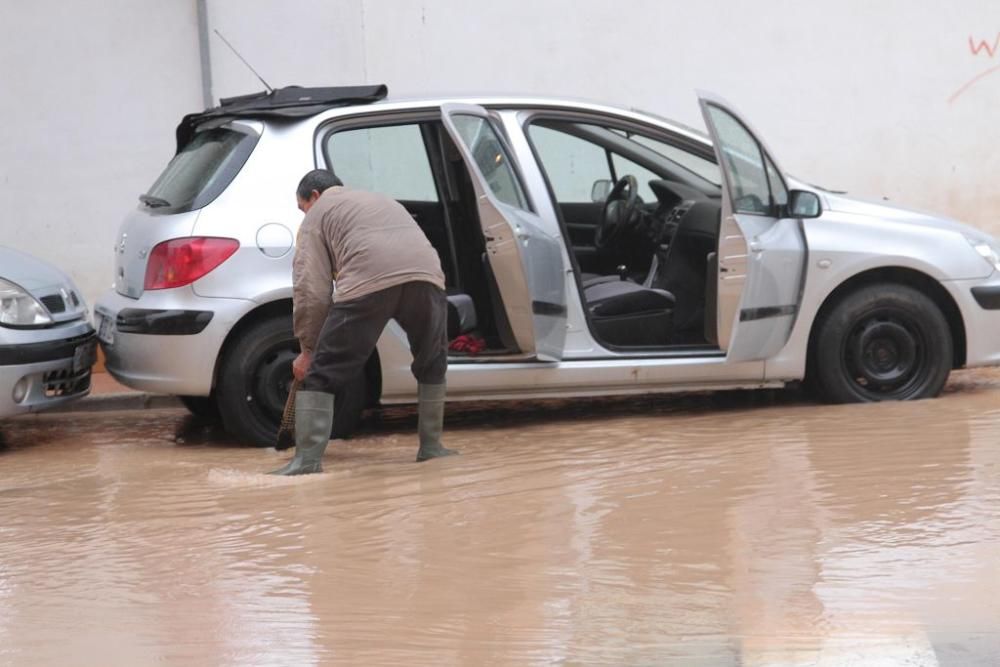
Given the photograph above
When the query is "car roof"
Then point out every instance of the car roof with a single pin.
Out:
(522, 101)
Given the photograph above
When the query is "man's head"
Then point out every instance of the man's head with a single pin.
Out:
(313, 185)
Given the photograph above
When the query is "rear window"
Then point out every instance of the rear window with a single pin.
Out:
(201, 170)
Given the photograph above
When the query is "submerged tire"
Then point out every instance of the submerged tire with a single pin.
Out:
(882, 342)
(254, 380)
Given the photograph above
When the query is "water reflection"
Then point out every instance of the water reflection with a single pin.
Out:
(742, 529)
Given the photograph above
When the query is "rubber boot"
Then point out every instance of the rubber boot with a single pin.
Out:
(313, 422)
(430, 422)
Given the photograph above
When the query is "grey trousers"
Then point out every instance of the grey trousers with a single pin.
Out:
(353, 327)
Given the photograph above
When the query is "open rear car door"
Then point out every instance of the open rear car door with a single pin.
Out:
(525, 260)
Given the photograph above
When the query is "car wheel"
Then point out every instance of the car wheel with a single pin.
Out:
(882, 342)
(254, 380)
(201, 406)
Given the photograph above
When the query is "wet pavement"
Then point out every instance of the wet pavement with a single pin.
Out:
(727, 529)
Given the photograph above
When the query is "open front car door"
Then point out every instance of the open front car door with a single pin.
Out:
(525, 260)
(762, 251)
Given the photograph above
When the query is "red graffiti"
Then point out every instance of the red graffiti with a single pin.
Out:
(983, 45)
(976, 49)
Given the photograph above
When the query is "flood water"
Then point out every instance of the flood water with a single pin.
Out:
(699, 530)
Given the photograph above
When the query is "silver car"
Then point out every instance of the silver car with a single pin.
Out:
(589, 250)
(47, 345)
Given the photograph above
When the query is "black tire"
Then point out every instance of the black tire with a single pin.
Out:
(254, 379)
(201, 406)
(882, 342)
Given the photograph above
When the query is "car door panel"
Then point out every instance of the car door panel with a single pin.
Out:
(773, 291)
(761, 256)
(582, 220)
(526, 259)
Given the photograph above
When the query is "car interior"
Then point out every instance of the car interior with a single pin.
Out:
(645, 243)
(641, 224)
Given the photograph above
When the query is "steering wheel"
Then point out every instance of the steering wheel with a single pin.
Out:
(619, 210)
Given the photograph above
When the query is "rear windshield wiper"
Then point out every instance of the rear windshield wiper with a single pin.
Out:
(153, 202)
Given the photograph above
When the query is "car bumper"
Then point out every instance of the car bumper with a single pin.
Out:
(987, 296)
(168, 341)
(979, 301)
(38, 376)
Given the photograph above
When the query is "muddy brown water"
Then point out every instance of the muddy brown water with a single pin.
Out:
(726, 529)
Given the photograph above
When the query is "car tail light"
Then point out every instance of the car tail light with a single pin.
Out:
(180, 262)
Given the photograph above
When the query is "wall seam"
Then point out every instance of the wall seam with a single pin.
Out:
(364, 45)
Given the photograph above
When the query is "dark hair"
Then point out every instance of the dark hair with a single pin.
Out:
(317, 180)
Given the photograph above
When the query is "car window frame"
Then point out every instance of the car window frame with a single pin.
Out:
(428, 114)
(536, 155)
(332, 126)
(493, 121)
(608, 121)
(769, 167)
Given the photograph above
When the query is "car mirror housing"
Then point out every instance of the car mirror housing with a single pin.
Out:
(804, 204)
(600, 190)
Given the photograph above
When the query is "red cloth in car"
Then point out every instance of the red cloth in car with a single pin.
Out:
(468, 344)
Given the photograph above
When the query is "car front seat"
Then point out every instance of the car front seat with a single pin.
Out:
(684, 271)
(624, 313)
(461, 315)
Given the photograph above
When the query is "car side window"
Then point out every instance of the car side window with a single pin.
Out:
(744, 162)
(576, 156)
(491, 158)
(572, 164)
(389, 159)
(697, 165)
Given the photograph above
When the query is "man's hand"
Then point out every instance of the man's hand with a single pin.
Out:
(301, 366)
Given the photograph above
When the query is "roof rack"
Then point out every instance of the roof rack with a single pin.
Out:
(287, 102)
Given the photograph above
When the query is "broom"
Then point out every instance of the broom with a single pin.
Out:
(286, 430)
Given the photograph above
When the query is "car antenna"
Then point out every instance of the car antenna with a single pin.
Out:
(249, 66)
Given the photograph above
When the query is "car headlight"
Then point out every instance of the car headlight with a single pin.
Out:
(987, 251)
(20, 309)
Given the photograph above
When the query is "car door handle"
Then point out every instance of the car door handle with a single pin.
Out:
(755, 247)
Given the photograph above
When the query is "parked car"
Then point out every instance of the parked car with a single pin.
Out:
(47, 345)
(591, 250)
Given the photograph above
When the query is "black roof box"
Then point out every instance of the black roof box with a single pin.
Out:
(287, 102)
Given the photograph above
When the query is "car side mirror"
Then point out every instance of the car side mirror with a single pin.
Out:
(804, 204)
(600, 190)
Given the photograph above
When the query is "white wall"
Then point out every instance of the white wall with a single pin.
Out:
(849, 94)
(89, 95)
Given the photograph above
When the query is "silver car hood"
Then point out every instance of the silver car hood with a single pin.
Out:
(45, 282)
(29, 272)
(889, 213)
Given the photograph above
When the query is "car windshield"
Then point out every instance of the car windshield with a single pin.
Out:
(705, 169)
(200, 171)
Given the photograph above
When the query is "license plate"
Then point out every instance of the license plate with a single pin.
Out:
(84, 356)
(105, 327)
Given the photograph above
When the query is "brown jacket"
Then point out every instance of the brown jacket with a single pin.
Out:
(368, 241)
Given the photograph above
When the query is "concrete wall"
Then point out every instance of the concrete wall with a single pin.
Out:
(881, 99)
(89, 93)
